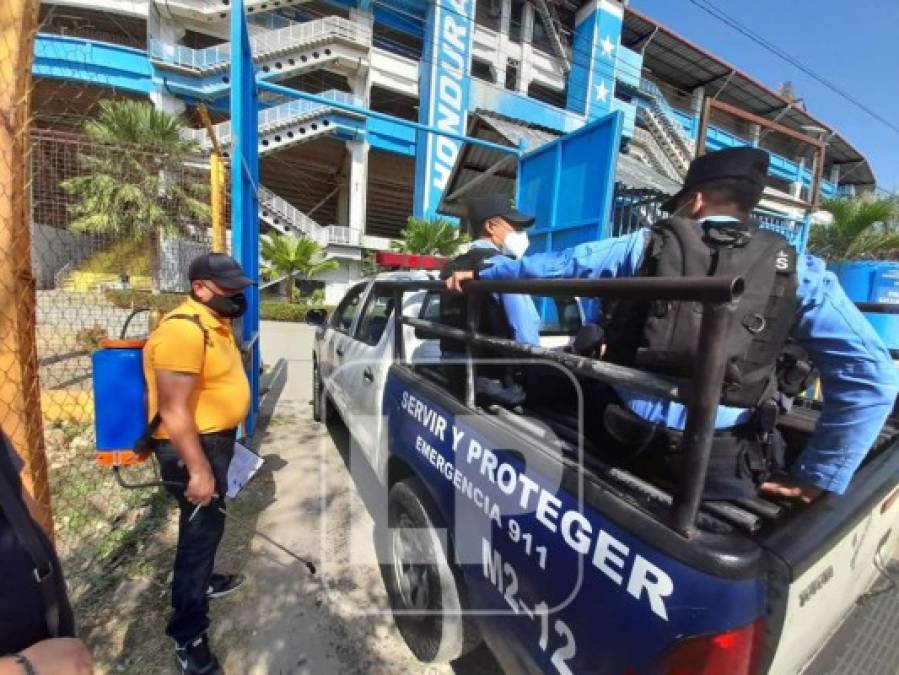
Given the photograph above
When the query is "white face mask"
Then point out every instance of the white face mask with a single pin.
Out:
(515, 244)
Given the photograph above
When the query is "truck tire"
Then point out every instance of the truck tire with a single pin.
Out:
(323, 409)
(429, 600)
(317, 393)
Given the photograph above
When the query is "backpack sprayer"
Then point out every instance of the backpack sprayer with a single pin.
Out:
(123, 436)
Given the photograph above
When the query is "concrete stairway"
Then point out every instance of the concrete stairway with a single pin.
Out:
(644, 145)
(292, 123)
(212, 11)
(550, 18)
(332, 42)
(284, 217)
(659, 118)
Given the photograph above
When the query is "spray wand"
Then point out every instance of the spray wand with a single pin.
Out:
(169, 483)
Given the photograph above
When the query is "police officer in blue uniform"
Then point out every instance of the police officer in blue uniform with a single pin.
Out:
(499, 233)
(789, 298)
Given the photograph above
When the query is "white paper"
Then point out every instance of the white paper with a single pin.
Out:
(243, 467)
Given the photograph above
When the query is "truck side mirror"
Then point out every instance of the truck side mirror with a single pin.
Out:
(316, 317)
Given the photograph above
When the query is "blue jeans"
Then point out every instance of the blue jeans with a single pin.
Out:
(199, 538)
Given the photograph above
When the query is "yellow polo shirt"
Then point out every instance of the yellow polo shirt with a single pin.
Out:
(221, 399)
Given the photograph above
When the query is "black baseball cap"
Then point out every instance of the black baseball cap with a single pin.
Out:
(746, 164)
(481, 209)
(219, 268)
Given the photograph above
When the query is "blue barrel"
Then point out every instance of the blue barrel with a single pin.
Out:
(120, 400)
(874, 282)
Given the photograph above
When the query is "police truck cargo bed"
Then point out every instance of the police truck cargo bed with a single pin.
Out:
(517, 528)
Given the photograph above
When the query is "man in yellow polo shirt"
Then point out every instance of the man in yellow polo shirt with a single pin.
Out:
(198, 395)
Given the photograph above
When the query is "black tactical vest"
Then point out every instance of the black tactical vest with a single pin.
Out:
(662, 336)
(454, 306)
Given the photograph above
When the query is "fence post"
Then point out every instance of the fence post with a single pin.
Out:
(217, 176)
(217, 179)
(244, 186)
(20, 398)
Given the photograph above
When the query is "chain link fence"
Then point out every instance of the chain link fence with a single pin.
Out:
(113, 229)
(103, 203)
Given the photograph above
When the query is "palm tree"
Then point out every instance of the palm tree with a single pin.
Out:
(863, 227)
(133, 183)
(289, 256)
(431, 236)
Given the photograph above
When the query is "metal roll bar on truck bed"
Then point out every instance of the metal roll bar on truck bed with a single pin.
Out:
(701, 394)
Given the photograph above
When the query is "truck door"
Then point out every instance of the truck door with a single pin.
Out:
(364, 368)
(336, 343)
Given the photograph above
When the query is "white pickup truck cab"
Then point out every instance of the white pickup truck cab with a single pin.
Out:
(353, 351)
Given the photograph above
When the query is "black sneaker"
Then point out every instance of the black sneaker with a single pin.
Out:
(196, 659)
(221, 585)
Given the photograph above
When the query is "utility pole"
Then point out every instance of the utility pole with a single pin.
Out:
(20, 397)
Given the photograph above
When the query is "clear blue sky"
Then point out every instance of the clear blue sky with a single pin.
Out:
(853, 44)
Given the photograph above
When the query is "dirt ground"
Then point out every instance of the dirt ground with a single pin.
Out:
(284, 620)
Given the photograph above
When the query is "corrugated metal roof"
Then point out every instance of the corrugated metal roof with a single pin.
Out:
(676, 61)
(474, 160)
(516, 131)
(633, 173)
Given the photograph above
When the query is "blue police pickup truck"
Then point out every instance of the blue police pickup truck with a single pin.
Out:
(511, 526)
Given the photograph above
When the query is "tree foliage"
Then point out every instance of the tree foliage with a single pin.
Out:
(429, 236)
(132, 183)
(864, 227)
(288, 256)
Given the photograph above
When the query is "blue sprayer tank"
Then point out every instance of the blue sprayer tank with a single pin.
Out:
(120, 400)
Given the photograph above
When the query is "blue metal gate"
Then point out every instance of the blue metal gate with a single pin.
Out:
(569, 185)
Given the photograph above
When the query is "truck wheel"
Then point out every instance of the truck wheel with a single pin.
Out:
(316, 393)
(427, 593)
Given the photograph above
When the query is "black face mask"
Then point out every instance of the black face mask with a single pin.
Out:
(229, 306)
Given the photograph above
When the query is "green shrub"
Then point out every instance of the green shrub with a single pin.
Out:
(126, 299)
(269, 310)
(282, 311)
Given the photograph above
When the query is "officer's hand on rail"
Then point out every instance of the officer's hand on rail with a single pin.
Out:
(788, 488)
(201, 486)
(454, 283)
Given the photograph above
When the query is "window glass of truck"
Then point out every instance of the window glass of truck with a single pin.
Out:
(561, 315)
(347, 309)
(378, 309)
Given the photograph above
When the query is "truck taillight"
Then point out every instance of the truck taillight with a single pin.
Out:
(735, 652)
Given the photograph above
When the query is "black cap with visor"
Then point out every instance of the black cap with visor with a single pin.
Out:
(221, 269)
(482, 209)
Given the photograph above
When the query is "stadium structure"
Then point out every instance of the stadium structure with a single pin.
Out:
(514, 72)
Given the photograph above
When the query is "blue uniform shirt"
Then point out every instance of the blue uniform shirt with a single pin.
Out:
(520, 310)
(858, 377)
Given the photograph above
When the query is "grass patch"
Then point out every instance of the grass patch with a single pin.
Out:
(124, 257)
(93, 516)
(111, 540)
